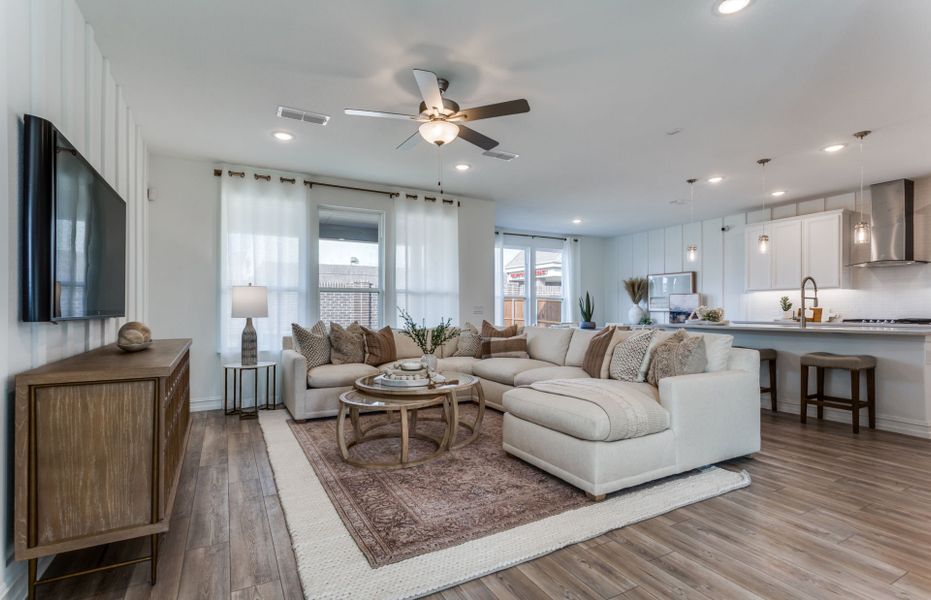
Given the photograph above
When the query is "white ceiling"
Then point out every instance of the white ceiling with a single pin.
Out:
(605, 80)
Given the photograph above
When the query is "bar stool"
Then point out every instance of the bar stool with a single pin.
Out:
(768, 355)
(852, 363)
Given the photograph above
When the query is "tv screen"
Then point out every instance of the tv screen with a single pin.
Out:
(75, 229)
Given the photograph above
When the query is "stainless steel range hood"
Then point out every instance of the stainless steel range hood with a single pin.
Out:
(900, 228)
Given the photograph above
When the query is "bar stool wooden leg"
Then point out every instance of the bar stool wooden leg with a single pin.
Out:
(803, 399)
(820, 377)
(871, 396)
(855, 398)
(772, 385)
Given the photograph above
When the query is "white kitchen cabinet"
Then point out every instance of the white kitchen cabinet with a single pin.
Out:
(759, 267)
(786, 242)
(814, 245)
(824, 244)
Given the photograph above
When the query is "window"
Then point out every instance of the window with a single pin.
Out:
(531, 287)
(515, 286)
(547, 278)
(351, 277)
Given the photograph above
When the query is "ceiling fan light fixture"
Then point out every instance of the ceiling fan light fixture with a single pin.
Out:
(439, 132)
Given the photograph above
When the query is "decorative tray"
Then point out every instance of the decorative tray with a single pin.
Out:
(403, 381)
(703, 322)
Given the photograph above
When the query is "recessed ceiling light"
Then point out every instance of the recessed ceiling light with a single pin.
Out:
(715, 179)
(729, 7)
(834, 147)
(463, 167)
(778, 193)
(283, 136)
(576, 221)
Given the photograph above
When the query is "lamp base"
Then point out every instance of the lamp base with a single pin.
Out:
(250, 345)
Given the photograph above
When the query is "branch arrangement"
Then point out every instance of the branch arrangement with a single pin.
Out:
(421, 334)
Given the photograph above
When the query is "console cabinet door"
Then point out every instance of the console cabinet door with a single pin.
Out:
(823, 249)
(759, 266)
(786, 240)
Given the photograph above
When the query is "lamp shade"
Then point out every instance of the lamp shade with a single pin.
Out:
(439, 132)
(250, 301)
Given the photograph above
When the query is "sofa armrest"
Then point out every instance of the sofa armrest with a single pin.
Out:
(715, 416)
(293, 378)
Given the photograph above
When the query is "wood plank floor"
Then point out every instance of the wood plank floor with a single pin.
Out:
(829, 515)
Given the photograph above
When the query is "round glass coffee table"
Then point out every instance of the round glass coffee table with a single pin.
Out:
(370, 395)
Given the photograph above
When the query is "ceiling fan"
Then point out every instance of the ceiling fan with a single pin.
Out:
(441, 118)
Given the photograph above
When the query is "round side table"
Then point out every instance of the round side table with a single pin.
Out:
(271, 371)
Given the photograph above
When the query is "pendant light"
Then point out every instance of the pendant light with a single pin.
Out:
(861, 231)
(763, 240)
(691, 253)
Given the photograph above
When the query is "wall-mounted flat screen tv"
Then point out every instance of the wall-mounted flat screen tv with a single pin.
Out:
(74, 232)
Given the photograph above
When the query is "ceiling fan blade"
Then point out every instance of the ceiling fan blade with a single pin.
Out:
(409, 142)
(473, 137)
(429, 89)
(501, 109)
(358, 112)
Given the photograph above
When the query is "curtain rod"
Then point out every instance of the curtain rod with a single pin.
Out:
(311, 184)
(542, 237)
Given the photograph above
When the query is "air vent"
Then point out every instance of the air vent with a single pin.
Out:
(500, 155)
(298, 114)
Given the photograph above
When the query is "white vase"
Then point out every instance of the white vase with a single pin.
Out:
(429, 361)
(635, 314)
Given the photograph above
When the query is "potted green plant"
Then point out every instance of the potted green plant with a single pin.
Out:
(587, 310)
(786, 307)
(637, 288)
(428, 341)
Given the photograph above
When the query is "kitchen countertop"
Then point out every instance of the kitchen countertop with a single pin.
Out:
(812, 328)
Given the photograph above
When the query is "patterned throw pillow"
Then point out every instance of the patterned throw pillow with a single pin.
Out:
(490, 331)
(595, 353)
(379, 346)
(681, 354)
(470, 342)
(509, 347)
(347, 345)
(313, 343)
(628, 356)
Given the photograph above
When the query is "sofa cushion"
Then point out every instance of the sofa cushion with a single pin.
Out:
(405, 346)
(681, 354)
(717, 350)
(457, 364)
(548, 343)
(326, 376)
(313, 343)
(598, 348)
(578, 345)
(379, 346)
(489, 330)
(469, 342)
(503, 370)
(347, 345)
(579, 418)
(630, 355)
(545, 373)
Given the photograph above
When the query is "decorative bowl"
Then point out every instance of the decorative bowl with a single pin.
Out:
(134, 347)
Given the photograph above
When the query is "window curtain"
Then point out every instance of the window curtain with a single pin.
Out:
(264, 229)
(571, 281)
(499, 278)
(427, 259)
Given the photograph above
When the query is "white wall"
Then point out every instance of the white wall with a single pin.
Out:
(184, 246)
(873, 293)
(50, 66)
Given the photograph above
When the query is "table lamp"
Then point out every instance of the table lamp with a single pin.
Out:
(249, 302)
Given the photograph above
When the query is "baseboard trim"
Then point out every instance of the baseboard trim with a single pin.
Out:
(206, 403)
(912, 427)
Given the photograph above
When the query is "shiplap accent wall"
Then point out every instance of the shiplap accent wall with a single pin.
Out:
(50, 66)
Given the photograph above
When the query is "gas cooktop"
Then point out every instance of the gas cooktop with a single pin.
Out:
(902, 321)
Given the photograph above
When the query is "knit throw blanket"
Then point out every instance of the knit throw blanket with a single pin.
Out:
(631, 411)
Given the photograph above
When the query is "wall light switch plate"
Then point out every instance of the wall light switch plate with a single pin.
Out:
(478, 310)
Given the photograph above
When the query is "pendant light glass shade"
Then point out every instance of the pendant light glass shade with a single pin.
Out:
(763, 243)
(439, 132)
(691, 252)
(861, 231)
(763, 240)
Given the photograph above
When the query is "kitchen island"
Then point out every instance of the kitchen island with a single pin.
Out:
(903, 372)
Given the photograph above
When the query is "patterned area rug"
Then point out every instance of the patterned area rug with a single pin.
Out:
(466, 494)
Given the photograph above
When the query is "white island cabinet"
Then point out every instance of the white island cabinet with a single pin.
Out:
(903, 367)
(814, 245)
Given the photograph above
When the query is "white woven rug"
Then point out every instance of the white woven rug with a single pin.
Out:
(332, 566)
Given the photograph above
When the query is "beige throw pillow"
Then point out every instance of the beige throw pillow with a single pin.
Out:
(313, 343)
(489, 330)
(347, 345)
(629, 355)
(681, 354)
(470, 342)
(509, 347)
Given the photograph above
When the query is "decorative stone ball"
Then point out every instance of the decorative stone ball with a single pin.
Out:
(134, 336)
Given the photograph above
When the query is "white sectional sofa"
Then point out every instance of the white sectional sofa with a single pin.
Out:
(707, 417)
